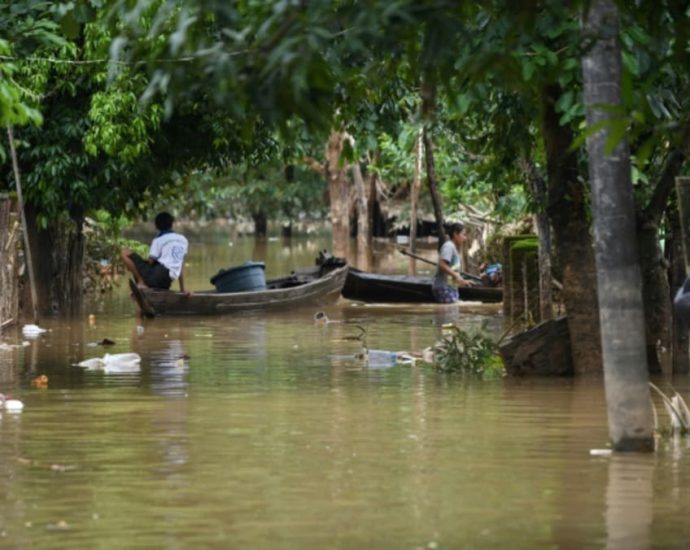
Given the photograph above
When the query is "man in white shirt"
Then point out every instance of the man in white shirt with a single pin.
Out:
(166, 257)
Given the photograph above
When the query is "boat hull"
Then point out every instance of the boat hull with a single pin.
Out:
(372, 287)
(303, 287)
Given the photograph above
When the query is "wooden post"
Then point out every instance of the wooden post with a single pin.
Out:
(22, 214)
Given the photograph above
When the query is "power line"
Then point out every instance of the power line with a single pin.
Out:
(58, 61)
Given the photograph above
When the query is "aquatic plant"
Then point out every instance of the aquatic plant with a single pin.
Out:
(470, 353)
(677, 410)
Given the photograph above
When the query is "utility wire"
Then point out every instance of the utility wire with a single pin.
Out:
(58, 61)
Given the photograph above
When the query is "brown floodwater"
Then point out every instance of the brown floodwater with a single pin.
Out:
(264, 430)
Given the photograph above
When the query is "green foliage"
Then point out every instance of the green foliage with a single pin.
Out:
(103, 235)
(468, 353)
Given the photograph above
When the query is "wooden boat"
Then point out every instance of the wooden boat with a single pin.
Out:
(312, 285)
(373, 287)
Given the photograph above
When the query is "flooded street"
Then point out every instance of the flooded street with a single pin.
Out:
(265, 430)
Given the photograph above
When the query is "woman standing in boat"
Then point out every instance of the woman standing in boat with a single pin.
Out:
(448, 277)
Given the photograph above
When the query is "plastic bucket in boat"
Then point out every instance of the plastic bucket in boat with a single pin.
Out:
(246, 277)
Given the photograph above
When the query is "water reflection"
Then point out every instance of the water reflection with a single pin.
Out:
(629, 497)
(265, 431)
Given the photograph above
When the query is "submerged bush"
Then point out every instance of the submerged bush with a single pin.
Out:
(471, 353)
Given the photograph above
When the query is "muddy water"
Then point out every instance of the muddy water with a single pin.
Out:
(265, 431)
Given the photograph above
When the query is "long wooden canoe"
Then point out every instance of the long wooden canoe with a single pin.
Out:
(302, 287)
(373, 287)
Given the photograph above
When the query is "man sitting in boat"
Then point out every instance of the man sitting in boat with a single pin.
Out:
(448, 275)
(166, 257)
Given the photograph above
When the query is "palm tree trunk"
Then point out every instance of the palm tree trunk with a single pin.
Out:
(619, 281)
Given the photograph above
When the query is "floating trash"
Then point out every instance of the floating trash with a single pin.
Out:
(11, 405)
(115, 363)
(32, 331)
(378, 359)
(40, 382)
(600, 452)
(320, 317)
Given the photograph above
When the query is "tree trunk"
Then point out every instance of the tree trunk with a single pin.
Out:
(362, 205)
(631, 423)
(260, 223)
(433, 188)
(656, 296)
(372, 180)
(680, 359)
(537, 187)
(567, 210)
(339, 192)
(656, 293)
(68, 257)
(58, 254)
(414, 191)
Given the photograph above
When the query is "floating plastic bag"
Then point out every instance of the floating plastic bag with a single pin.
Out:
(11, 405)
(32, 331)
(115, 363)
(381, 359)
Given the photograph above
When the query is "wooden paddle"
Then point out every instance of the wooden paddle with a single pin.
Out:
(466, 275)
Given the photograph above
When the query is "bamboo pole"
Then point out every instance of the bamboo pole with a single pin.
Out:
(423, 259)
(22, 213)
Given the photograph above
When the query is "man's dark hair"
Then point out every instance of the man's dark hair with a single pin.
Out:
(164, 221)
(454, 228)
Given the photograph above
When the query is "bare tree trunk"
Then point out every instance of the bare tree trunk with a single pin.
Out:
(260, 223)
(621, 312)
(567, 209)
(414, 191)
(538, 189)
(339, 193)
(58, 252)
(362, 205)
(680, 358)
(656, 293)
(335, 173)
(433, 188)
(372, 183)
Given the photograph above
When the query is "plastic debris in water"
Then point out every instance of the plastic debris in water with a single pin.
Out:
(378, 358)
(600, 452)
(140, 330)
(32, 331)
(117, 362)
(320, 318)
(40, 382)
(11, 405)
